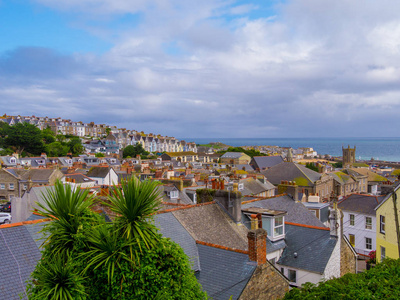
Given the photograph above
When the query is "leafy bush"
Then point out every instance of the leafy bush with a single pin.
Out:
(381, 282)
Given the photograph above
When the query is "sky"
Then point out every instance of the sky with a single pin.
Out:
(210, 68)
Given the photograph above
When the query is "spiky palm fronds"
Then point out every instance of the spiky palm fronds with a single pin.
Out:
(134, 205)
(66, 207)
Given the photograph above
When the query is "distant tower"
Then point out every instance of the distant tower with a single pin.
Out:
(289, 157)
(349, 156)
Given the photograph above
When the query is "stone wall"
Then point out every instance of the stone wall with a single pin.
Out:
(265, 283)
(348, 260)
(5, 189)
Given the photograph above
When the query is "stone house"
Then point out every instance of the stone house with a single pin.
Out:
(308, 181)
(235, 158)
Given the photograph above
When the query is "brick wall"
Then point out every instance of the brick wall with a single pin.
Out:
(265, 283)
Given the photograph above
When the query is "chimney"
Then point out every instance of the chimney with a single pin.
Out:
(257, 239)
(334, 219)
(197, 176)
(43, 155)
(181, 185)
(30, 183)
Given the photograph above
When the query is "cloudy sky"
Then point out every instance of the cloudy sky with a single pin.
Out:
(209, 68)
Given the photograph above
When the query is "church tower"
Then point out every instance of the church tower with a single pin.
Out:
(349, 156)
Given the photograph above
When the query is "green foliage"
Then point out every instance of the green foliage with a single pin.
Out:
(381, 282)
(68, 208)
(24, 137)
(205, 195)
(57, 149)
(87, 258)
(132, 151)
(99, 154)
(311, 166)
(134, 205)
(250, 152)
(56, 279)
(338, 165)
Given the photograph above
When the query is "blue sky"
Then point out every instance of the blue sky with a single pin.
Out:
(211, 68)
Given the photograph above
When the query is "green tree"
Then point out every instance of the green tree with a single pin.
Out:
(99, 154)
(75, 146)
(25, 137)
(57, 149)
(311, 166)
(132, 151)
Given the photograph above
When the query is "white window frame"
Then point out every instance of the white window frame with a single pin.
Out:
(279, 226)
(383, 253)
(382, 221)
(352, 220)
(2, 186)
(368, 243)
(368, 225)
(11, 186)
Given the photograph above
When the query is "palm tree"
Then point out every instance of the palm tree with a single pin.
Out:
(134, 204)
(57, 280)
(67, 207)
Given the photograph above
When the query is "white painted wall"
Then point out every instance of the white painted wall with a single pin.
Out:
(301, 275)
(359, 231)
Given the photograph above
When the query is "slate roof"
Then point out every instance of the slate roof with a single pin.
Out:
(263, 162)
(232, 155)
(372, 176)
(253, 187)
(223, 273)
(20, 255)
(98, 172)
(171, 228)
(364, 204)
(313, 247)
(208, 223)
(296, 211)
(79, 178)
(290, 171)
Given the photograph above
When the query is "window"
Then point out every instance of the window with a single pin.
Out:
(2, 186)
(11, 186)
(352, 239)
(272, 261)
(25, 186)
(368, 223)
(368, 243)
(352, 220)
(278, 226)
(173, 194)
(283, 271)
(382, 224)
(292, 275)
(383, 253)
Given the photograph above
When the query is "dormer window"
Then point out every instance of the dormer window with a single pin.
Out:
(13, 160)
(173, 194)
(278, 226)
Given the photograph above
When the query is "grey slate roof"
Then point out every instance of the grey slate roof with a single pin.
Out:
(296, 211)
(290, 171)
(263, 162)
(223, 273)
(274, 246)
(208, 223)
(232, 155)
(313, 247)
(253, 187)
(365, 204)
(171, 228)
(20, 255)
(98, 172)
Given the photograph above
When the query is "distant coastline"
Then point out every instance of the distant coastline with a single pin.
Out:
(384, 149)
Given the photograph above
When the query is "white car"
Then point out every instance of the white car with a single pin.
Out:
(5, 218)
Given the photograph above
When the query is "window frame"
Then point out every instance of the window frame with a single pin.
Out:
(368, 244)
(275, 227)
(352, 219)
(2, 186)
(368, 225)
(292, 274)
(11, 186)
(382, 224)
(352, 239)
(383, 253)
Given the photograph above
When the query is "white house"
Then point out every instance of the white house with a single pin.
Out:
(103, 175)
(359, 221)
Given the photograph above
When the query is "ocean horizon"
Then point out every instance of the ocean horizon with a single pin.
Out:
(385, 149)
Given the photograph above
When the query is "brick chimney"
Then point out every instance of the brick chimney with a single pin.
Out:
(257, 239)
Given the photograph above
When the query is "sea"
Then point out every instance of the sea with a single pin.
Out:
(384, 149)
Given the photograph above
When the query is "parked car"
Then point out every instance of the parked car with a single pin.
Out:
(5, 218)
(5, 207)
